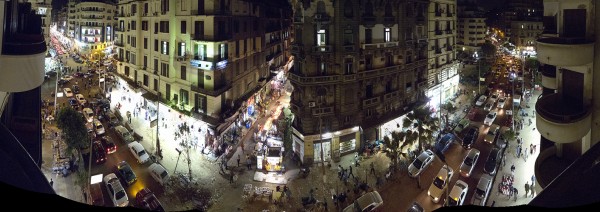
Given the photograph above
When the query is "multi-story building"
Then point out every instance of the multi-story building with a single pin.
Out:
(209, 59)
(566, 113)
(523, 35)
(520, 10)
(357, 65)
(471, 27)
(71, 16)
(44, 9)
(22, 52)
(62, 20)
(93, 23)
(442, 67)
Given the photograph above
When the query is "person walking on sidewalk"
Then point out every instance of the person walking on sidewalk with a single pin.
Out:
(238, 161)
(515, 192)
(372, 168)
(350, 170)
(526, 189)
(249, 162)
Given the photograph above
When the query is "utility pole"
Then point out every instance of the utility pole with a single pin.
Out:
(479, 76)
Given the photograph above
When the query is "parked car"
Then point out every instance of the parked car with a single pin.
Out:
(440, 183)
(492, 133)
(501, 141)
(99, 153)
(464, 123)
(491, 164)
(80, 99)
(489, 118)
(494, 97)
(124, 134)
(457, 195)
(466, 167)
(108, 144)
(481, 193)
(481, 100)
(501, 102)
(96, 194)
(76, 89)
(88, 114)
(420, 163)
(367, 202)
(62, 82)
(126, 172)
(444, 142)
(73, 103)
(415, 207)
(67, 78)
(138, 152)
(68, 92)
(159, 173)
(112, 119)
(99, 129)
(470, 138)
(147, 200)
(115, 190)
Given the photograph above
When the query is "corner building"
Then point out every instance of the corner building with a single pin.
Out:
(567, 112)
(357, 65)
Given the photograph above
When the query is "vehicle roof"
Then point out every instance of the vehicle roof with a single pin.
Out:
(458, 188)
(368, 198)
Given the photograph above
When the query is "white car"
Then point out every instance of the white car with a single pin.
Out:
(481, 100)
(440, 183)
(494, 97)
(368, 202)
(98, 127)
(458, 193)
(159, 173)
(138, 152)
(501, 102)
(88, 114)
(80, 99)
(67, 78)
(420, 163)
(115, 190)
(466, 167)
(68, 92)
(492, 133)
(488, 106)
(124, 133)
(482, 191)
(489, 118)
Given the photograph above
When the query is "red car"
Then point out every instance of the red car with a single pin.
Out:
(108, 144)
(145, 199)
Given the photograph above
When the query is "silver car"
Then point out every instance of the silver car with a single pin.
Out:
(420, 163)
(124, 133)
(466, 167)
(482, 191)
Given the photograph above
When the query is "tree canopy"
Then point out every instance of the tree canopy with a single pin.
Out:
(488, 49)
(73, 128)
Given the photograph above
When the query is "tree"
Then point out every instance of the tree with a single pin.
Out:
(488, 49)
(73, 129)
(421, 126)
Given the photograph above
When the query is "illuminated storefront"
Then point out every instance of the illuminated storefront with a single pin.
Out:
(330, 145)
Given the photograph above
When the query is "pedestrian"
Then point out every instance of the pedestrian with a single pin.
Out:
(526, 189)
(238, 161)
(372, 168)
(340, 171)
(512, 169)
(525, 155)
(51, 182)
(533, 180)
(516, 193)
(231, 178)
(350, 170)
(249, 162)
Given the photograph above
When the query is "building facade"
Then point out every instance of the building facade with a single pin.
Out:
(520, 10)
(357, 65)
(442, 67)
(471, 28)
(567, 111)
(62, 20)
(523, 35)
(209, 59)
(44, 9)
(91, 25)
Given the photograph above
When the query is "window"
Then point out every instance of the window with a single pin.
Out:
(155, 66)
(165, 47)
(348, 37)
(164, 26)
(348, 9)
(156, 85)
(145, 80)
(133, 24)
(164, 69)
(145, 25)
(183, 73)
(349, 68)
(155, 45)
(321, 39)
(156, 28)
(145, 62)
(133, 42)
(322, 67)
(388, 34)
(368, 36)
(223, 51)
(183, 26)
(181, 50)
(145, 43)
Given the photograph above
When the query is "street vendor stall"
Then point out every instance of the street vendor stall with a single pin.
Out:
(506, 184)
(270, 155)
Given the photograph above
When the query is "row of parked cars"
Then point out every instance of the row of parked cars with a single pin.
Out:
(104, 145)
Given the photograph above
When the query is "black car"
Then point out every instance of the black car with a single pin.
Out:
(126, 172)
(491, 164)
(73, 102)
(62, 81)
(147, 200)
(51, 73)
(470, 138)
(108, 144)
(99, 152)
(76, 89)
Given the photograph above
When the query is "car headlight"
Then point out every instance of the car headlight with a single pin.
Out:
(428, 193)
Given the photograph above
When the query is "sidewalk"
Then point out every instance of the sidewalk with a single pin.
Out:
(524, 168)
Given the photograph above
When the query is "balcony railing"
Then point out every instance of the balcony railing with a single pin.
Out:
(380, 45)
(322, 48)
(313, 80)
(208, 63)
(438, 32)
(119, 43)
(213, 93)
(565, 40)
(319, 17)
(371, 102)
(558, 109)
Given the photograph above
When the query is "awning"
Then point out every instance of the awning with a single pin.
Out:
(150, 96)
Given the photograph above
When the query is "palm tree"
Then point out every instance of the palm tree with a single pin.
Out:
(421, 127)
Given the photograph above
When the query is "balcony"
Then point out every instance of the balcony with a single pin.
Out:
(368, 20)
(119, 43)
(438, 32)
(322, 49)
(206, 63)
(391, 96)
(298, 19)
(119, 29)
(23, 50)
(560, 51)
(316, 80)
(380, 45)
(323, 111)
(560, 121)
(389, 21)
(213, 93)
(349, 48)
(548, 166)
(322, 18)
(370, 102)
(448, 31)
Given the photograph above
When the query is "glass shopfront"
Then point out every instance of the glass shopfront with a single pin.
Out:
(347, 143)
(322, 146)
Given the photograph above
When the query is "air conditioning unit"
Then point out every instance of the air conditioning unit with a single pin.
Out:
(312, 104)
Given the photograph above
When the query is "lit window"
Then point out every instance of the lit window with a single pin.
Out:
(181, 49)
(164, 47)
(321, 41)
(388, 34)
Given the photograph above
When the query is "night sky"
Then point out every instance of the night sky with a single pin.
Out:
(490, 4)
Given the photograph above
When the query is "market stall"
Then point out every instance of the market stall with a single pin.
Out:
(269, 155)
(506, 184)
